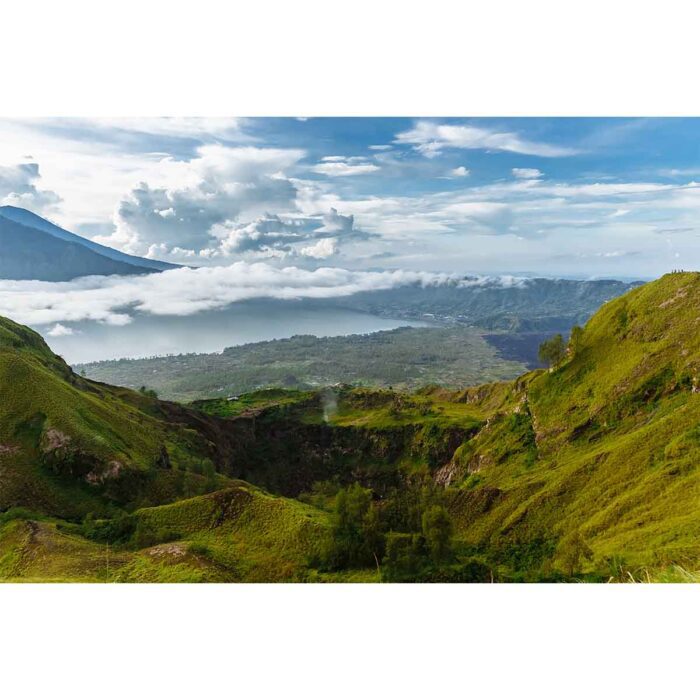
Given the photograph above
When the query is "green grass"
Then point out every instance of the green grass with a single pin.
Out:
(587, 472)
(69, 446)
(253, 401)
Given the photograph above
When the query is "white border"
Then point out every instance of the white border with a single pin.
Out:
(349, 641)
(368, 57)
(307, 58)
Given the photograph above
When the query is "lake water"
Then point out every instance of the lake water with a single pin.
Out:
(211, 331)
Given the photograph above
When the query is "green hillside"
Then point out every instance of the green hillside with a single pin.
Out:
(586, 472)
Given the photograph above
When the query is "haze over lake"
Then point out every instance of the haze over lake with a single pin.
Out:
(211, 331)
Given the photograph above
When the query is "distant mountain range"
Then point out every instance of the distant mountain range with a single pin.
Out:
(529, 305)
(34, 248)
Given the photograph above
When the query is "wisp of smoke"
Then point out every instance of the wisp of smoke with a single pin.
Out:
(329, 402)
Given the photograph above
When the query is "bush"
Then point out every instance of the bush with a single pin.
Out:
(437, 531)
(357, 539)
(405, 556)
(146, 535)
(118, 530)
(19, 513)
(552, 351)
(199, 549)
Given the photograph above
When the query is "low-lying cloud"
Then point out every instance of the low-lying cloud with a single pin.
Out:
(182, 292)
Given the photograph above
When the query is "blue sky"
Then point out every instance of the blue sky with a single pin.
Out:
(549, 196)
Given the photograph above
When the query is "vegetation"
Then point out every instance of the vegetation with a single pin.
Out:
(552, 351)
(405, 359)
(587, 472)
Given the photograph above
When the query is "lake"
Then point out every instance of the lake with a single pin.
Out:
(212, 331)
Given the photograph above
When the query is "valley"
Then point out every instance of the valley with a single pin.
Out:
(587, 472)
(405, 359)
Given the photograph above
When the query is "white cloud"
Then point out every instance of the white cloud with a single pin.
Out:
(18, 188)
(336, 223)
(59, 330)
(221, 184)
(431, 138)
(262, 235)
(178, 127)
(495, 217)
(336, 166)
(461, 171)
(185, 291)
(324, 248)
(527, 173)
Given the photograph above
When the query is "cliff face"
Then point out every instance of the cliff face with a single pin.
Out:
(281, 450)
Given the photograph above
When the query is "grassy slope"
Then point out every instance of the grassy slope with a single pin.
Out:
(69, 446)
(609, 441)
(604, 447)
(236, 534)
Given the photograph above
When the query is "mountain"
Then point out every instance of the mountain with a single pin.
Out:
(455, 352)
(34, 248)
(588, 471)
(514, 305)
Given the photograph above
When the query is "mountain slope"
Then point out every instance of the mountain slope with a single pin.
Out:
(604, 448)
(69, 446)
(32, 254)
(522, 305)
(32, 220)
(585, 472)
(34, 248)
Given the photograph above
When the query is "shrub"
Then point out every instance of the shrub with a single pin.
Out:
(199, 549)
(552, 351)
(437, 531)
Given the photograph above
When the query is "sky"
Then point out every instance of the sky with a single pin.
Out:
(525, 196)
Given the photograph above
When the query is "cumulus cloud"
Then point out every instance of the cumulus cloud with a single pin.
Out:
(431, 139)
(272, 236)
(336, 223)
(18, 188)
(527, 173)
(264, 234)
(59, 330)
(461, 171)
(341, 166)
(221, 184)
(184, 291)
(322, 249)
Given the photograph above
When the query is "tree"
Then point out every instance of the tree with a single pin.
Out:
(151, 393)
(575, 339)
(573, 550)
(437, 531)
(357, 537)
(552, 351)
(405, 556)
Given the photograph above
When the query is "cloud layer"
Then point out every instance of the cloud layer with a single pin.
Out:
(181, 292)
